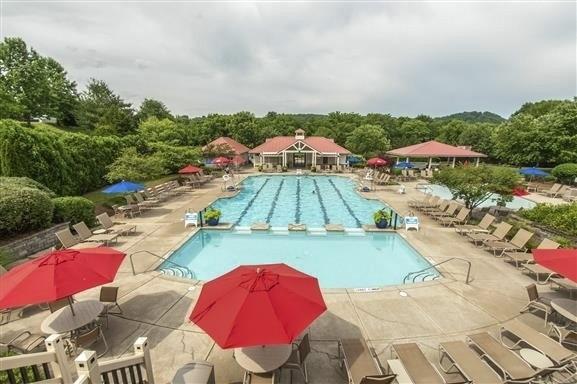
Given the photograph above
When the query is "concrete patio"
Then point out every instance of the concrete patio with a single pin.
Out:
(156, 306)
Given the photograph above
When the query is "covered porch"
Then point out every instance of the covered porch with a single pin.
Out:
(435, 150)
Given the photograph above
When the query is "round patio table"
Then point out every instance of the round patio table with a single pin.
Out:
(261, 359)
(566, 308)
(63, 321)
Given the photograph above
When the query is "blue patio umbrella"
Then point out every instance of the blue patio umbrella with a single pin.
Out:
(532, 171)
(123, 187)
(404, 164)
(353, 159)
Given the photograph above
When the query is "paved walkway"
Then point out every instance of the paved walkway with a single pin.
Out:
(156, 306)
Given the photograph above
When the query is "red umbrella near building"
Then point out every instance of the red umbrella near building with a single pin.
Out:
(220, 161)
(376, 162)
(189, 169)
(258, 305)
(563, 261)
(57, 275)
(238, 160)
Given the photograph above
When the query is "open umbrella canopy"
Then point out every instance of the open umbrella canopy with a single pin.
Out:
(258, 305)
(563, 261)
(532, 171)
(404, 164)
(189, 169)
(376, 162)
(238, 160)
(221, 161)
(57, 275)
(124, 187)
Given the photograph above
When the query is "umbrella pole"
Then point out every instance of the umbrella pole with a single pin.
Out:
(71, 307)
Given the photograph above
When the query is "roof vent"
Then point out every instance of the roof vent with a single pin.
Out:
(299, 134)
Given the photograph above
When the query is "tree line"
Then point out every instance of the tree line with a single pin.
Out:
(539, 133)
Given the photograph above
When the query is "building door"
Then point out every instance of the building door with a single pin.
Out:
(299, 160)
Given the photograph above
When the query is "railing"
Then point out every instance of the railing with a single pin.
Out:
(188, 271)
(418, 273)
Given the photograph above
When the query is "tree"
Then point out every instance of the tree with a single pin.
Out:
(243, 128)
(133, 166)
(538, 108)
(410, 132)
(32, 85)
(210, 151)
(368, 140)
(475, 185)
(451, 131)
(479, 137)
(99, 106)
(152, 108)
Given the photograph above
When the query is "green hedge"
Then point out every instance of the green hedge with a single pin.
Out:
(557, 217)
(566, 173)
(23, 209)
(74, 209)
(67, 163)
(25, 182)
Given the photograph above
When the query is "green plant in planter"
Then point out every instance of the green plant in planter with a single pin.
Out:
(260, 168)
(313, 168)
(284, 169)
(212, 215)
(382, 218)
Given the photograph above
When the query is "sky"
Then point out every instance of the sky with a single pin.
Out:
(434, 58)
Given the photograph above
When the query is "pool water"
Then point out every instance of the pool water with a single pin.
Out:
(445, 193)
(311, 200)
(337, 260)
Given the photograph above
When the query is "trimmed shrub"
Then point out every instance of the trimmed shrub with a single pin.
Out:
(557, 217)
(23, 209)
(566, 173)
(74, 209)
(25, 182)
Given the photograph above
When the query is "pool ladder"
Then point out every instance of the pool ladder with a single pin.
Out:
(426, 275)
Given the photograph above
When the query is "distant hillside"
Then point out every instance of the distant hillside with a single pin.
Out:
(474, 117)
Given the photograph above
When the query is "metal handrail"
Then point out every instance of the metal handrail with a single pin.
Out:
(467, 280)
(189, 271)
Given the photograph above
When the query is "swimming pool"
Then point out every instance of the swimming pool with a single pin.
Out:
(337, 260)
(311, 200)
(445, 193)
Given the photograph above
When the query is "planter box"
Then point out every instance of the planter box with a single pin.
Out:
(32, 243)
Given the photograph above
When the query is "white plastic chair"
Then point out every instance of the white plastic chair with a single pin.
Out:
(191, 218)
(411, 222)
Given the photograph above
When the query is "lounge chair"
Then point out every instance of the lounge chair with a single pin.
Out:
(499, 233)
(358, 361)
(522, 257)
(553, 190)
(461, 218)
(512, 366)
(449, 212)
(570, 195)
(297, 359)
(467, 362)
(563, 283)
(140, 200)
(25, 342)
(425, 201)
(517, 243)
(482, 227)
(539, 271)
(442, 207)
(419, 369)
(561, 192)
(134, 204)
(86, 234)
(119, 228)
(68, 241)
(520, 334)
(537, 302)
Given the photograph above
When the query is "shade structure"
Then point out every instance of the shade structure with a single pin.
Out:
(376, 162)
(404, 164)
(221, 161)
(563, 261)
(532, 171)
(189, 169)
(124, 187)
(258, 305)
(57, 275)
(238, 160)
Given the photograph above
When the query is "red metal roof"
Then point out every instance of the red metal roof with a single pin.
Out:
(434, 149)
(237, 147)
(318, 143)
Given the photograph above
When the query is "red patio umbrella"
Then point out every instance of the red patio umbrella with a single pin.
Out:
(189, 169)
(238, 160)
(258, 305)
(376, 162)
(57, 275)
(563, 261)
(221, 161)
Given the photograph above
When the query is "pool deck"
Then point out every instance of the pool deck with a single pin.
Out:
(156, 306)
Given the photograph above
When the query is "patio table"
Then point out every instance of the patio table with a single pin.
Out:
(63, 321)
(261, 359)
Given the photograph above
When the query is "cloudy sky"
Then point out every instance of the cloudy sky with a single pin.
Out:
(401, 58)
